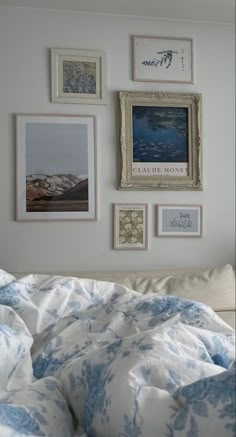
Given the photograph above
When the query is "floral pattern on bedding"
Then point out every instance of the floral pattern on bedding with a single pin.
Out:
(212, 397)
(38, 409)
(80, 357)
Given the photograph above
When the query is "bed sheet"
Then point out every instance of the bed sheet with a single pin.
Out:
(85, 357)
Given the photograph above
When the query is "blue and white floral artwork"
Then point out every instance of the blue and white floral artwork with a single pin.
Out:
(78, 76)
(79, 357)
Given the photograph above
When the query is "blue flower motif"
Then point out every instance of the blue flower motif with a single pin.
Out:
(9, 296)
(222, 388)
(19, 419)
(217, 390)
(192, 314)
(39, 367)
(145, 373)
(144, 306)
(47, 367)
(94, 379)
(113, 347)
(131, 428)
(164, 308)
(221, 356)
(221, 360)
(193, 392)
(145, 347)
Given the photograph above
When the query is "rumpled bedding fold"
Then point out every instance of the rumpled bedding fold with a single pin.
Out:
(80, 357)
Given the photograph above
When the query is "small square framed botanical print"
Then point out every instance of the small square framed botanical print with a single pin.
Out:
(179, 220)
(78, 76)
(130, 226)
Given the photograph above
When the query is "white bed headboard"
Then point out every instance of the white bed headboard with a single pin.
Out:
(215, 287)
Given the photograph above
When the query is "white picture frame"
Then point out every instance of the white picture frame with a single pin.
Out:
(179, 220)
(162, 59)
(55, 167)
(78, 76)
(130, 225)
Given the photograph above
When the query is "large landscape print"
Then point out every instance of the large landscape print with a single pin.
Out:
(56, 171)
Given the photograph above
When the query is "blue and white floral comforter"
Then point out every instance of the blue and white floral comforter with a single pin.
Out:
(90, 358)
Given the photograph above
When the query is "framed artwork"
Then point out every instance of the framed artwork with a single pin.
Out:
(56, 167)
(160, 141)
(78, 76)
(179, 220)
(130, 226)
(162, 59)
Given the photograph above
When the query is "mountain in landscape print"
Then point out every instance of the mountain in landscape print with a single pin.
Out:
(61, 192)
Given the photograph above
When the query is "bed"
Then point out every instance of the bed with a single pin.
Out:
(118, 354)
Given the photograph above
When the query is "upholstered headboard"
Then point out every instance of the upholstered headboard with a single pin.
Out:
(215, 287)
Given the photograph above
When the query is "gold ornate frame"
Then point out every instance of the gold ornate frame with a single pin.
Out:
(193, 179)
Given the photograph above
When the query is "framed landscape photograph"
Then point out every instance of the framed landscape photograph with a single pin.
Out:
(162, 59)
(130, 226)
(160, 141)
(78, 76)
(56, 167)
(179, 220)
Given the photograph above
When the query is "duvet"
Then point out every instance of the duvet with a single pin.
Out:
(80, 357)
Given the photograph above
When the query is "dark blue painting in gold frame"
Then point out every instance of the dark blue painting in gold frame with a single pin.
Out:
(160, 134)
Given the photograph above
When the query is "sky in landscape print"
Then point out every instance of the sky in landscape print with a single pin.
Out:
(53, 148)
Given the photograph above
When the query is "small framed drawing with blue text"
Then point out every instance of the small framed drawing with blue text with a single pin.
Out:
(162, 59)
(179, 220)
(78, 76)
(130, 226)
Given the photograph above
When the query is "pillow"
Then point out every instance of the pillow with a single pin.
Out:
(215, 287)
(228, 316)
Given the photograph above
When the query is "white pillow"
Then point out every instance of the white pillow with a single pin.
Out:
(228, 316)
(215, 287)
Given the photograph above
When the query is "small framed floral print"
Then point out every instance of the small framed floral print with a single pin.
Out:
(130, 226)
(78, 76)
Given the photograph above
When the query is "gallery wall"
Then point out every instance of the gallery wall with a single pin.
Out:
(26, 36)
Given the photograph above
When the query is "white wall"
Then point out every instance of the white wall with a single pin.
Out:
(26, 35)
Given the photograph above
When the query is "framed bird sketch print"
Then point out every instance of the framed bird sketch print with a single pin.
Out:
(162, 59)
